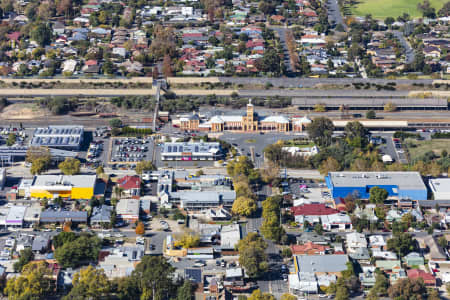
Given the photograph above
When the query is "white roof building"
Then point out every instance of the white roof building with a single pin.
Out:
(440, 188)
(15, 215)
(377, 241)
(356, 240)
(128, 209)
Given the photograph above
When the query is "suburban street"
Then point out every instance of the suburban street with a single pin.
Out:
(334, 13)
(281, 33)
(409, 52)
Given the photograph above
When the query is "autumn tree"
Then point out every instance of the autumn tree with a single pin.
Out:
(244, 206)
(35, 282)
(163, 42)
(64, 7)
(144, 166)
(271, 226)
(70, 166)
(67, 226)
(188, 240)
(89, 283)
(414, 289)
(258, 295)
(167, 66)
(100, 170)
(329, 165)
(40, 159)
(140, 228)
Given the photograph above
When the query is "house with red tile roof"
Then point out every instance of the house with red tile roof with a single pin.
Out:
(313, 210)
(428, 278)
(131, 185)
(309, 249)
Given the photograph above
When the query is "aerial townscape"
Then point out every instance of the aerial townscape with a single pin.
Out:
(224, 149)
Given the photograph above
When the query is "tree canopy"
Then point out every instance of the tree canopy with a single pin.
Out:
(154, 278)
(35, 282)
(188, 241)
(144, 166)
(271, 227)
(244, 206)
(402, 243)
(320, 131)
(83, 250)
(89, 283)
(70, 166)
(378, 195)
(252, 254)
(411, 289)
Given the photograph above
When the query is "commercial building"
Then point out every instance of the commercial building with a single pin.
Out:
(62, 216)
(401, 185)
(321, 264)
(18, 153)
(191, 151)
(250, 121)
(128, 209)
(199, 200)
(63, 137)
(64, 186)
(440, 188)
(15, 216)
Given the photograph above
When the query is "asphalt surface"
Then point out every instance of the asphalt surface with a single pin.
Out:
(334, 13)
(281, 33)
(409, 52)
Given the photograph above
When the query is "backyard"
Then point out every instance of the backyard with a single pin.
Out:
(380, 9)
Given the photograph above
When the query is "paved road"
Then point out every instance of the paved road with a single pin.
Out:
(409, 52)
(281, 32)
(334, 13)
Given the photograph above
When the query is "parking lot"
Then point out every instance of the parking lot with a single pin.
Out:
(130, 150)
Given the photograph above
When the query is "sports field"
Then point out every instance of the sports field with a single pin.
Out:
(380, 9)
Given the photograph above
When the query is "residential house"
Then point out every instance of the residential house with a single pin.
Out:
(377, 242)
(414, 259)
(101, 215)
(313, 237)
(130, 185)
(355, 241)
(321, 264)
(427, 278)
(309, 248)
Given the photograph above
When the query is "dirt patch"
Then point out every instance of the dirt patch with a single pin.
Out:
(21, 111)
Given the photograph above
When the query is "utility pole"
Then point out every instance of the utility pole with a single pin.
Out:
(155, 113)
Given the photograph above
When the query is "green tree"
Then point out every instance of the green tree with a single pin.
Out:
(270, 62)
(371, 114)
(89, 283)
(252, 254)
(271, 226)
(356, 133)
(35, 282)
(70, 166)
(320, 131)
(108, 67)
(241, 165)
(144, 166)
(62, 238)
(402, 243)
(82, 250)
(381, 286)
(115, 123)
(185, 291)
(318, 228)
(389, 21)
(244, 206)
(378, 195)
(11, 139)
(154, 278)
(25, 256)
(42, 34)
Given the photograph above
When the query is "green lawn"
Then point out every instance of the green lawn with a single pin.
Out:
(422, 147)
(380, 9)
